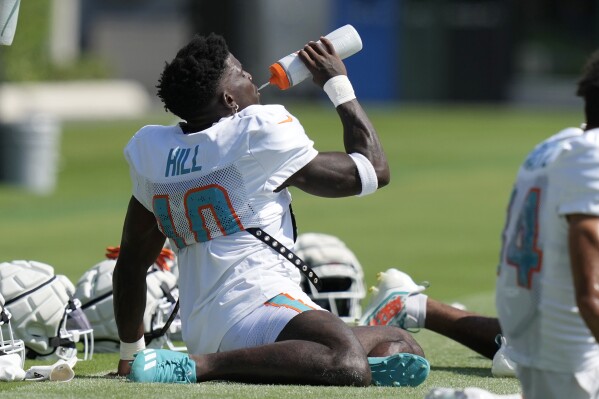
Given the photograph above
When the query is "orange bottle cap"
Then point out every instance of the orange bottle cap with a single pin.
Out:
(278, 77)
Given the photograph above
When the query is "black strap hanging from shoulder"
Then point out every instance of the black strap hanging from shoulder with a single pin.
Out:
(293, 223)
(287, 253)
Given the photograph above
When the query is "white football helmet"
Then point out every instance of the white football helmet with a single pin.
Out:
(45, 314)
(8, 343)
(339, 271)
(94, 290)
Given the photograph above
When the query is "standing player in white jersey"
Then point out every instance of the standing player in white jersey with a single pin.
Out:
(209, 184)
(548, 279)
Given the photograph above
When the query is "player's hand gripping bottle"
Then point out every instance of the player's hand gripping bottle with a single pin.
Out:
(290, 70)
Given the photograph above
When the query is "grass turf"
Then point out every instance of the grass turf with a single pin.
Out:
(439, 220)
(452, 365)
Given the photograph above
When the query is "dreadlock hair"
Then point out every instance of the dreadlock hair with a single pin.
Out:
(188, 83)
(588, 88)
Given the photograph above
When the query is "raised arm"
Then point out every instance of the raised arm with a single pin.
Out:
(335, 174)
(584, 259)
(141, 243)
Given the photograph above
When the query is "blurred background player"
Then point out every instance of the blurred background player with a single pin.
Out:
(547, 287)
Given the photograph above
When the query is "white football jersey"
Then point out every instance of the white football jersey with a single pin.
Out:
(205, 189)
(535, 293)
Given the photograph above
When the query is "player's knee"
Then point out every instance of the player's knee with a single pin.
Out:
(390, 348)
(408, 347)
(350, 370)
(395, 340)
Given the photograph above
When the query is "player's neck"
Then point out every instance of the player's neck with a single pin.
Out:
(202, 122)
(193, 127)
(590, 126)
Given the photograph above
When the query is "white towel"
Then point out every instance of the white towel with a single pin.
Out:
(10, 368)
(59, 371)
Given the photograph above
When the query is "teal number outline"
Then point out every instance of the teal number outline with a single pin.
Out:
(217, 196)
(522, 250)
(162, 211)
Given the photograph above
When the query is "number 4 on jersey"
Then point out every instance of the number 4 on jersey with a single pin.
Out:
(522, 249)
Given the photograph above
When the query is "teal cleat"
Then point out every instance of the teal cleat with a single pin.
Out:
(399, 370)
(160, 365)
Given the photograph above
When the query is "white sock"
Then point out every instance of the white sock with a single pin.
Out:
(416, 310)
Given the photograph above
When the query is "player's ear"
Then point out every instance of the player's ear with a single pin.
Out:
(229, 102)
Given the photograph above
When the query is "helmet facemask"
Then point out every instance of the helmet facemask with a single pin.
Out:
(159, 313)
(341, 293)
(77, 328)
(8, 344)
(339, 272)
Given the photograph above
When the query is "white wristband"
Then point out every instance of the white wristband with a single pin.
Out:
(370, 182)
(339, 90)
(128, 349)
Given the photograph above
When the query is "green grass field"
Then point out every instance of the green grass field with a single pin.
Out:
(439, 220)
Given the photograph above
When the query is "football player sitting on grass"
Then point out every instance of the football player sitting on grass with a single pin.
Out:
(216, 186)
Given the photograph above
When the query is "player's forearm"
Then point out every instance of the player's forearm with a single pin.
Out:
(140, 246)
(587, 294)
(589, 310)
(129, 292)
(584, 256)
(359, 135)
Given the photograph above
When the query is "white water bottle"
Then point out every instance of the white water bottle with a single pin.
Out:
(290, 70)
